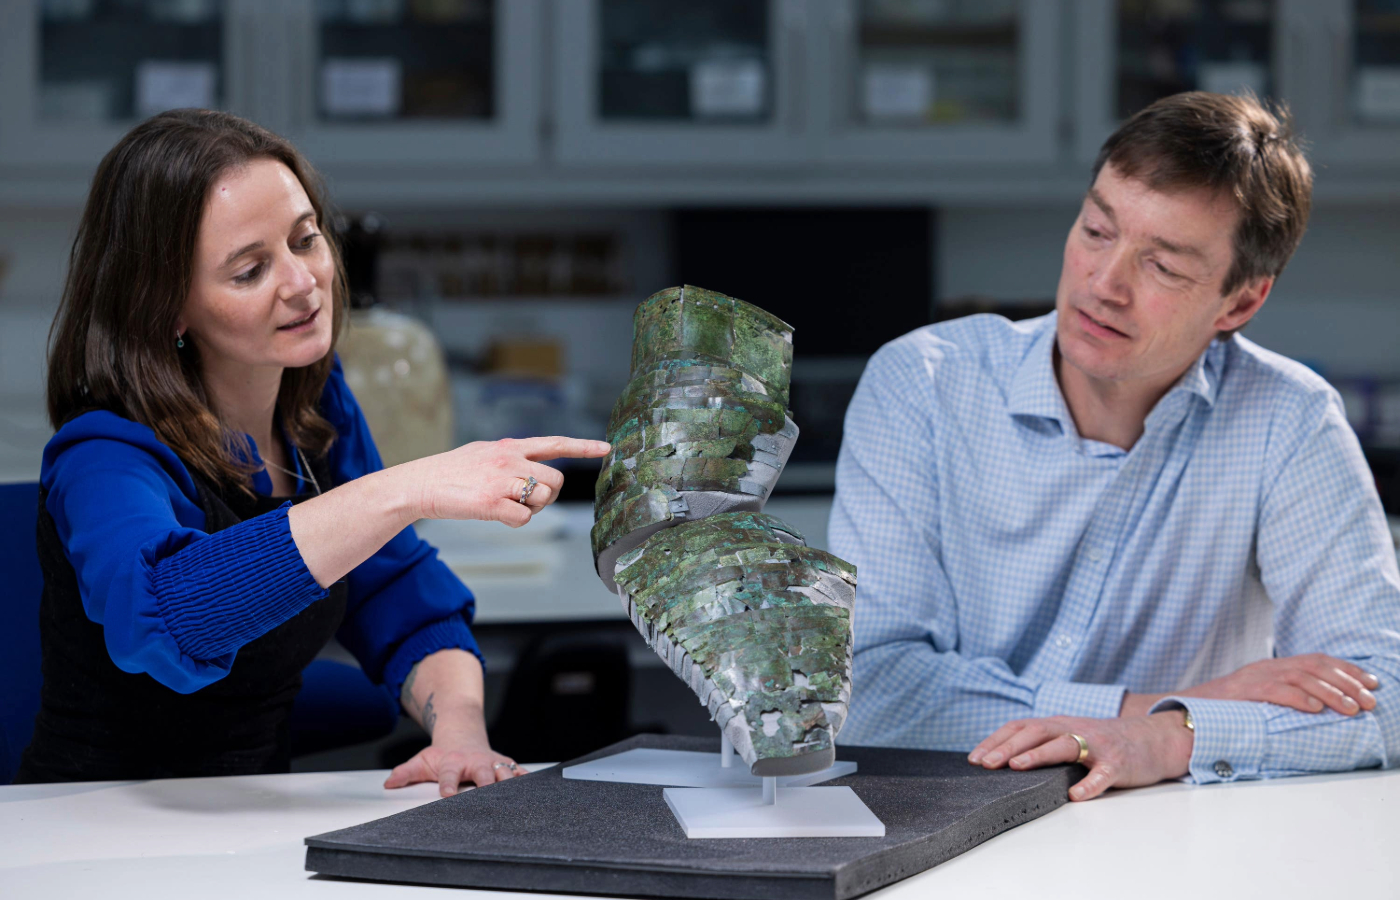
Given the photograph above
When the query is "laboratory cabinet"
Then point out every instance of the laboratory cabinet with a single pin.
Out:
(1130, 53)
(805, 82)
(938, 83)
(444, 101)
(719, 83)
(75, 75)
(1353, 111)
(415, 82)
(377, 82)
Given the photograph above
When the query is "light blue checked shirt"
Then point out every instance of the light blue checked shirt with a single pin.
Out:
(1010, 568)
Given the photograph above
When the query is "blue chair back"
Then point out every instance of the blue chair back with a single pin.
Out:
(20, 674)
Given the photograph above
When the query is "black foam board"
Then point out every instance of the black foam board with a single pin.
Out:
(541, 832)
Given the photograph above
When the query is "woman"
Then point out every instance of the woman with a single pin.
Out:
(213, 509)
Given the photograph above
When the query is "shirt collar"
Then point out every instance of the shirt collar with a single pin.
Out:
(1036, 392)
(1034, 388)
(1203, 378)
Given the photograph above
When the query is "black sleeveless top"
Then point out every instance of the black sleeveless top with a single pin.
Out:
(98, 723)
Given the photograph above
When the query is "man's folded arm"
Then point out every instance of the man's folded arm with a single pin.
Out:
(1328, 563)
(912, 687)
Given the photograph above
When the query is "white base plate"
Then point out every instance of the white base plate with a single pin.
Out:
(799, 812)
(687, 768)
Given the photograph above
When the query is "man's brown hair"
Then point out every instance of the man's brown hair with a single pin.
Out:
(1224, 144)
(112, 346)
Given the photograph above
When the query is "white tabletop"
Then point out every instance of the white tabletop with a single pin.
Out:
(1320, 837)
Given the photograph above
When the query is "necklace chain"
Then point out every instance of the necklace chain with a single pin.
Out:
(305, 466)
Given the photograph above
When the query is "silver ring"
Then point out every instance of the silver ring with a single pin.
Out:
(511, 766)
(528, 489)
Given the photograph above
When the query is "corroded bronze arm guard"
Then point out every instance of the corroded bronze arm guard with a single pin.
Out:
(756, 622)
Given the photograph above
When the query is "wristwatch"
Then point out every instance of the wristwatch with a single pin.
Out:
(1188, 721)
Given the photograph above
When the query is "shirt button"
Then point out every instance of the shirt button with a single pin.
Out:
(1223, 769)
(1094, 555)
(1064, 640)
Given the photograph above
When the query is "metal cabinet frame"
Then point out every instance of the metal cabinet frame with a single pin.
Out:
(1033, 139)
(581, 138)
(1096, 69)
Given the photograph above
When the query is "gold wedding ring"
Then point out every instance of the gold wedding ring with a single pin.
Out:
(1083, 748)
(528, 489)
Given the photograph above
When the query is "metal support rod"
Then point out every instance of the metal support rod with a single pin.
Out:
(726, 752)
(770, 791)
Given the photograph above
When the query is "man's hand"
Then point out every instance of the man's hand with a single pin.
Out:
(1122, 752)
(1311, 683)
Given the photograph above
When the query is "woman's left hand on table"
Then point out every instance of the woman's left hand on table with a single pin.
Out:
(452, 766)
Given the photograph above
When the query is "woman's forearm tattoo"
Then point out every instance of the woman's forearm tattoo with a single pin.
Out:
(429, 716)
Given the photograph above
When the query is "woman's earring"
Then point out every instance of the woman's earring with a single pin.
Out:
(179, 341)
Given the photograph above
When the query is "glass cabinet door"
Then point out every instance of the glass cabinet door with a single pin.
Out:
(655, 81)
(1137, 51)
(943, 80)
(387, 81)
(78, 73)
(1356, 116)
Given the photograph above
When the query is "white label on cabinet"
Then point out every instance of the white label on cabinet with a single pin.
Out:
(360, 87)
(1231, 77)
(173, 85)
(897, 92)
(727, 87)
(1378, 92)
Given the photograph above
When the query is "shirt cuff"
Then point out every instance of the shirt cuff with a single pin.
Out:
(1229, 737)
(450, 633)
(1070, 698)
(235, 585)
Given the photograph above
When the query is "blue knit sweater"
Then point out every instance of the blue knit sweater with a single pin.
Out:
(178, 603)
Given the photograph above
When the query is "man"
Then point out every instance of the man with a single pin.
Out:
(1121, 534)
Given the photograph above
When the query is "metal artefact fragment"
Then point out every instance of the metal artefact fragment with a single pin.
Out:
(703, 425)
(758, 624)
(734, 601)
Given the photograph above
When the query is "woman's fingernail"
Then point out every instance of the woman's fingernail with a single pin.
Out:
(974, 758)
(1076, 792)
(994, 758)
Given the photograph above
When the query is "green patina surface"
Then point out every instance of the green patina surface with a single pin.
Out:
(661, 466)
(695, 404)
(721, 588)
(637, 506)
(690, 323)
(681, 373)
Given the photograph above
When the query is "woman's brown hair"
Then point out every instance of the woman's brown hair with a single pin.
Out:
(113, 343)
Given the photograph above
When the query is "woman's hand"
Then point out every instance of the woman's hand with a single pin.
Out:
(452, 766)
(484, 480)
(443, 693)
